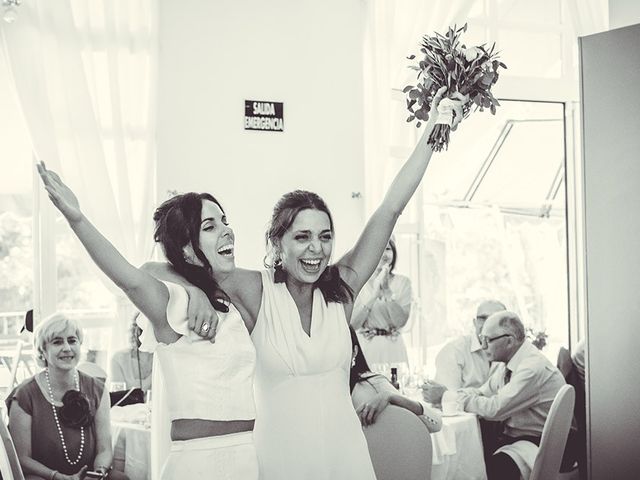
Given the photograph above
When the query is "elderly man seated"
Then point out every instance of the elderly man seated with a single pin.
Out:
(462, 362)
(519, 394)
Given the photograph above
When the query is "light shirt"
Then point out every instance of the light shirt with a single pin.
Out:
(204, 380)
(578, 359)
(386, 315)
(124, 368)
(462, 363)
(523, 403)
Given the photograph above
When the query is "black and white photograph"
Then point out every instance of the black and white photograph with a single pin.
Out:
(319, 239)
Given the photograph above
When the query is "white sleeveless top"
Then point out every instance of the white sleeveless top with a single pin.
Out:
(204, 380)
(306, 427)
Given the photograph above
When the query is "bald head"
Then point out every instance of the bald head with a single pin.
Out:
(506, 322)
(484, 311)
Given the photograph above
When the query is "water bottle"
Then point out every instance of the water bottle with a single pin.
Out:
(394, 378)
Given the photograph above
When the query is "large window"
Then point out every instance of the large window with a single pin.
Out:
(490, 218)
(490, 223)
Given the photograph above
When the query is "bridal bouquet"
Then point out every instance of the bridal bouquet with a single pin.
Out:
(467, 72)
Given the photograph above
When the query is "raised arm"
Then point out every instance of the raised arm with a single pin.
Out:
(147, 293)
(243, 286)
(359, 263)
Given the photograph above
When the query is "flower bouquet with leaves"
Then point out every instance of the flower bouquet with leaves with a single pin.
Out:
(467, 72)
(537, 337)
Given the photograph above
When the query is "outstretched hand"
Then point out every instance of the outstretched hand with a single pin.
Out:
(61, 195)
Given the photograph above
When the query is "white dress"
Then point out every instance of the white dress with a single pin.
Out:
(389, 315)
(306, 427)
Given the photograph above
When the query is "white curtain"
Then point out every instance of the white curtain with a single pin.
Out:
(85, 76)
(588, 16)
(393, 31)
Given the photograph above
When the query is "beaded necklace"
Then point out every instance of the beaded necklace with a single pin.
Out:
(55, 416)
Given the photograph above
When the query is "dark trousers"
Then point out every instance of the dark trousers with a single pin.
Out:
(500, 466)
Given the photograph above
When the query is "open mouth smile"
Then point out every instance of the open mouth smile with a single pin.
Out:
(226, 250)
(310, 265)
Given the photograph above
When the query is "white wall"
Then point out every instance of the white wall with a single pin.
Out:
(307, 54)
(610, 64)
(623, 13)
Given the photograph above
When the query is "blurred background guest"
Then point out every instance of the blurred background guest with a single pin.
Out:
(371, 393)
(462, 362)
(59, 418)
(131, 366)
(519, 394)
(578, 359)
(90, 365)
(381, 310)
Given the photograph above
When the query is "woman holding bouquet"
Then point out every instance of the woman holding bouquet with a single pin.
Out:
(305, 424)
(59, 419)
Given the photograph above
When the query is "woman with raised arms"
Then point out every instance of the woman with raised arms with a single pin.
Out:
(306, 426)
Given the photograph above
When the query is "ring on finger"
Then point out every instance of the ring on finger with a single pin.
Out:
(205, 327)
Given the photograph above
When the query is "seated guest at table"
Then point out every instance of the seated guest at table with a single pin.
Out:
(59, 419)
(132, 366)
(577, 357)
(371, 393)
(519, 393)
(90, 365)
(381, 310)
(462, 362)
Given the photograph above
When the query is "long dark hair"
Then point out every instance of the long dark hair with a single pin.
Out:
(177, 226)
(360, 368)
(394, 251)
(330, 283)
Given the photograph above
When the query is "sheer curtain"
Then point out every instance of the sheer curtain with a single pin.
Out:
(588, 16)
(393, 31)
(85, 76)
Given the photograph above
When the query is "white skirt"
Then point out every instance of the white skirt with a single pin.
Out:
(226, 457)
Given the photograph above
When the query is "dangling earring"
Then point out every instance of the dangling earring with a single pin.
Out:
(277, 259)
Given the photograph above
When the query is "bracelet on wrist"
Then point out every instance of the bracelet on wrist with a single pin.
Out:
(53, 474)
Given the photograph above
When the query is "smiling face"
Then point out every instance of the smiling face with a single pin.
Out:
(305, 248)
(63, 350)
(216, 240)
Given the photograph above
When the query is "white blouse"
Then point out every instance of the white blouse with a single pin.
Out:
(204, 380)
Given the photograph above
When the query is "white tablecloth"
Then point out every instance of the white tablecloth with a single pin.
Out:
(457, 449)
(131, 439)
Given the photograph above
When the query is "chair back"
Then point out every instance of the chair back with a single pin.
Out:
(554, 436)
(399, 445)
(565, 364)
(9, 463)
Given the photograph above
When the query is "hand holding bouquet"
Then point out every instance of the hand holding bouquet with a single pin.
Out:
(468, 75)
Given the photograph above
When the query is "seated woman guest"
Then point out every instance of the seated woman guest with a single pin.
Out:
(372, 393)
(381, 310)
(59, 419)
(132, 366)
